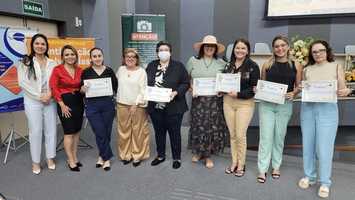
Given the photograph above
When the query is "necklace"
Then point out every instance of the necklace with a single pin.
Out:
(207, 65)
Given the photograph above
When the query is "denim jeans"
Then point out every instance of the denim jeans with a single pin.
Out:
(319, 123)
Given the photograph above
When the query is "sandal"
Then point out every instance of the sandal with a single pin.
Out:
(229, 170)
(261, 179)
(275, 175)
(209, 163)
(239, 173)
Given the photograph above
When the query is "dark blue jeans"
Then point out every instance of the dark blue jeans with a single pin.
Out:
(100, 113)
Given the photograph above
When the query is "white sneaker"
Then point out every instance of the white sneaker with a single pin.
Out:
(323, 191)
(304, 183)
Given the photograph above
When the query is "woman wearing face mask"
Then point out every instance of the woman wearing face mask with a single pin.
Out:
(319, 121)
(167, 117)
(275, 117)
(65, 85)
(33, 77)
(208, 128)
(239, 106)
(100, 111)
(132, 122)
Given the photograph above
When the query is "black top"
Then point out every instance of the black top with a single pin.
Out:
(175, 77)
(282, 73)
(250, 74)
(89, 73)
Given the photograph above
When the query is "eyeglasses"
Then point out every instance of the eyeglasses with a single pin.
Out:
(130, 56)
(319, 51)
(280, 45)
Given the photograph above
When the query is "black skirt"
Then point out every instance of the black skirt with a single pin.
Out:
(74, 101)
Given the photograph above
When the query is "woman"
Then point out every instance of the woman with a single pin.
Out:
(100, 111)
(167, 117)
(208, 128)
(319, 121)
(239, 106)
(132, 122)
(65, 85)
(40, 109)
(275, 117)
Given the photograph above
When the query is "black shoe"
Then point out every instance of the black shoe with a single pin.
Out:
(74, 169)
(126, 162)
(98, 165)
(157, 161)
(107, 168)
(79, 164)
(136, 163)
(176, 164)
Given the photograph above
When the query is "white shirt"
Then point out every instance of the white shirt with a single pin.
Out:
(32, 87)
(131, 86)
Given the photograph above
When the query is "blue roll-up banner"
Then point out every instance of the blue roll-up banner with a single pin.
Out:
(12, 49)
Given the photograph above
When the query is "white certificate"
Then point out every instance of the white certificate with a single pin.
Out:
(228, 82)
(271, 92)
(98, 87)
(157, 94)
(204, 87)
(319, 91)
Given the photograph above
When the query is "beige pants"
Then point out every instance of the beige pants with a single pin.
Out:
(238, 114)
(133, 133)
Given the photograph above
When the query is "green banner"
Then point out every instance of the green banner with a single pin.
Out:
(143, 32)
(32, 8)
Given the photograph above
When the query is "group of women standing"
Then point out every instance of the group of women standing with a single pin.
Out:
(319, 121)
(45, 83)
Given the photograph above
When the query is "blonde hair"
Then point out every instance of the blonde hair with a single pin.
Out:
(272, 60)
(130, 50)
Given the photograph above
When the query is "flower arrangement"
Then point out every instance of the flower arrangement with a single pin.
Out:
(299, 49)
(350, 68)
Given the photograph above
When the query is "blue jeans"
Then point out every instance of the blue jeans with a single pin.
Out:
(100, 113)
(319, 123)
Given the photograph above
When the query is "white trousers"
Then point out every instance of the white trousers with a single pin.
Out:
(41, 120)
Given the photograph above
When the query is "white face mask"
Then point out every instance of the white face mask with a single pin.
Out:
(164, 55)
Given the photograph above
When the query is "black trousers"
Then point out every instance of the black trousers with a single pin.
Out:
(162, 123)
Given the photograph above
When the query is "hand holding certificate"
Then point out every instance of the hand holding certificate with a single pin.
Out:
(319, 91)
(98, 87)
(157, 94)
(204, 87)
(228, 82)
(271, 92)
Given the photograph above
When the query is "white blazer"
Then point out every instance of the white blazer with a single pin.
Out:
(32, 87)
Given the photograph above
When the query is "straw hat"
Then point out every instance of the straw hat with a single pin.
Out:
(209, 39)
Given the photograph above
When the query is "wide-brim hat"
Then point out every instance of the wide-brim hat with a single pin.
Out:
(209, 39)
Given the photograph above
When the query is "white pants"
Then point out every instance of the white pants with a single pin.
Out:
(41, 119)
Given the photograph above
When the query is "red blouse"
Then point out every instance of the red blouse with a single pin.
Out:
(61, 82)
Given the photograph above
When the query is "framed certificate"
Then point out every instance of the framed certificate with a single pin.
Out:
(228, 82)
(98, 87)
(204, 87)
(157, 94)
(271, 92)
(319, 91)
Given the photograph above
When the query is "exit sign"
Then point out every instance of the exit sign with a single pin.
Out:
(32, 8)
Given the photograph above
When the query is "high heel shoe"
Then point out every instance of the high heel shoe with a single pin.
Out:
(74, 169)
(79, 164)
(36, 171)
(107, 165)
(51, 164)
(99, 162)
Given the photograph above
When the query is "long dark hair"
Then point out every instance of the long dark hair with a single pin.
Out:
(231, 66)
(201, 52)
(329, 51)
(28, 59)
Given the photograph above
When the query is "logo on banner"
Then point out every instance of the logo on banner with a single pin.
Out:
(144, 32)
(144, 26)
